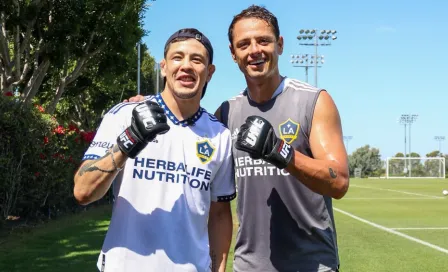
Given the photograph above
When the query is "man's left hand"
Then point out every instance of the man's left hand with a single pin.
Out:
(257, 137)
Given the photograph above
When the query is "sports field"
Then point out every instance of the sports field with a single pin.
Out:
(383, 225)
(393, 225)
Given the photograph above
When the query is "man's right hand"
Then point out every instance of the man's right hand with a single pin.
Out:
(136, 98)
(148, 121)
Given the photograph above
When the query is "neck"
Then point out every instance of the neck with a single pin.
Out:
(261, 90)
(181, 108)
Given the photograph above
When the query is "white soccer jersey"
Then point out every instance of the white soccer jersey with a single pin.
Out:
(159, 220)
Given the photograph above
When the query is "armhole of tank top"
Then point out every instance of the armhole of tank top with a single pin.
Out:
(225, 106)
(313, 107)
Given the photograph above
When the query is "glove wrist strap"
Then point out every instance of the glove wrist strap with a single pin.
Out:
(280, 155)
(129, 144)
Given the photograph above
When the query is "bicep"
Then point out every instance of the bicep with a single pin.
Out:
(326, 140)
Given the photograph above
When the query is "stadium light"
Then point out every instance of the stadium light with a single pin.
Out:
(440, 139)
(347, 139)
(308, 35)
(407, 119)
(306, 61)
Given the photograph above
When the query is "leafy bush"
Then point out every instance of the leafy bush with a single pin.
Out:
(38, 159)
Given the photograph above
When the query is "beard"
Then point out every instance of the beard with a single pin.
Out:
(183, 95)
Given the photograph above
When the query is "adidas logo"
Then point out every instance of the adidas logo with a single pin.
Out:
(235, 133)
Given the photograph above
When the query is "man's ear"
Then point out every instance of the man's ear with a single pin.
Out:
(280, 45)
(232, 51)
(162, 68)
(211, 71)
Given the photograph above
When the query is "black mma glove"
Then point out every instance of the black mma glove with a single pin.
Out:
(148, 121)
(257, 137)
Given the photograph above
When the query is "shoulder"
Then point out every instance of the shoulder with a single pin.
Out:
(300, 86)
(214, 123)
(223, 110)
(241, 95)
(126, 107)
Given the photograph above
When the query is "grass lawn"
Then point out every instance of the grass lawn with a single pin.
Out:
(68, 244)
(383, 225)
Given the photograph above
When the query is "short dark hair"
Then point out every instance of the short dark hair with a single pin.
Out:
(258, 12)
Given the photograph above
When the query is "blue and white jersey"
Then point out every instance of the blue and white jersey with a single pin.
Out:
(159, 221)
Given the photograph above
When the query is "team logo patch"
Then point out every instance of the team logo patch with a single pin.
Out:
(289, 130)
(204, 151)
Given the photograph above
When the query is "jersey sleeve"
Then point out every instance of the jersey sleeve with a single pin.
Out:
(223, 185)
(113, 123)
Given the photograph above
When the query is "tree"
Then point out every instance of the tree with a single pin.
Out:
(415, 166)
(105, 85)
(65, 37)
(366, 158)
(433, 167)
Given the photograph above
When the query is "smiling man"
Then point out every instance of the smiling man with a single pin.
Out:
(172, 212)
(289, 156)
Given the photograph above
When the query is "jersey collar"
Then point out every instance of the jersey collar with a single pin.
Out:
(278, 91)
(187, 122)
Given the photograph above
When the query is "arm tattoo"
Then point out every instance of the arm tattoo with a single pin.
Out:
(90, 167)
(115, 148)
(332, 173)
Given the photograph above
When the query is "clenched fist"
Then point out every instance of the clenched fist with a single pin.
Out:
(148, 121)
(257, 137)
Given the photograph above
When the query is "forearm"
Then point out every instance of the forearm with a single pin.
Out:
(325, 177)
(220, 236)
(94, 178)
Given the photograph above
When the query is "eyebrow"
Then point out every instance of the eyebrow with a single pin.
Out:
(192, 54)
(268, 37)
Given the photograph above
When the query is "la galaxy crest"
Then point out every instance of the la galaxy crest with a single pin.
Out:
(205, 151)
(289, 130)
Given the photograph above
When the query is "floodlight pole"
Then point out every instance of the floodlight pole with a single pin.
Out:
(347, 139)
(315, 63)
(304, 59)
(408, 119)
(138, 68)
(306, 74)
(440, 139)
(311, 34)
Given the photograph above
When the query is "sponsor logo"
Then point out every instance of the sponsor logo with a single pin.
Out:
(171, 172)
(254, 132)
(289, 130)
(204, 151)
(105, 145)
(284, 150)
(125, 139)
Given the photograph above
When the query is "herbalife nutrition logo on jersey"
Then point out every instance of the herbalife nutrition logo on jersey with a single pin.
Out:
(171, 172)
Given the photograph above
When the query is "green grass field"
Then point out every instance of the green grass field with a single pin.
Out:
(383, 225)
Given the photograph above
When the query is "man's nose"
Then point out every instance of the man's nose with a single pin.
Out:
(254, 48)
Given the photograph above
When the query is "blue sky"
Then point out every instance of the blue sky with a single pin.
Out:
(388, 59)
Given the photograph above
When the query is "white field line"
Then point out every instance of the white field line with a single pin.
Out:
(428, 228)
(396, 191)
(393, 231)
(391, 198)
